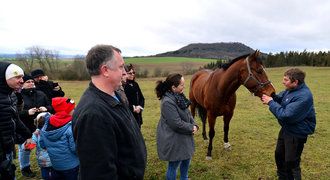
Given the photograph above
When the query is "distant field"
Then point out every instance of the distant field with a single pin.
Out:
(150, 64)
(253, 133)
(159, 60)
(173, 64)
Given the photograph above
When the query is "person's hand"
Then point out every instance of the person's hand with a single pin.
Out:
(195, 129)
(42, 109)
(29, 144)
(140, 107)
(44, 78)
(136, 109)
(36, 132)
(32, 111)
(29, 141)
(266, 99)
(57, 88)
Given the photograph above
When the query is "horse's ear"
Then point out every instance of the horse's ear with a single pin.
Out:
(256, 54)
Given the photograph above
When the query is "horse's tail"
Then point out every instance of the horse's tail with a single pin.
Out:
(202, 113)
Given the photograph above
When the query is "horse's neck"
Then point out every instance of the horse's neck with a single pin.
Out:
(228, 82)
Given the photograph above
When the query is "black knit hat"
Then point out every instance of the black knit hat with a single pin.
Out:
(37, 72)
(27, 77)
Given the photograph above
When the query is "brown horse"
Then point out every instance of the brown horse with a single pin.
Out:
(213, 92)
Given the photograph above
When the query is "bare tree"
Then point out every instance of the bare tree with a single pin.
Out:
(79, 67)
(51, 60)
(47, 59)
(27, 63)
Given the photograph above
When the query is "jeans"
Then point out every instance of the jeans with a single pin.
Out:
(173, 166)
(46, 173)
(70, 174)
(23, 156)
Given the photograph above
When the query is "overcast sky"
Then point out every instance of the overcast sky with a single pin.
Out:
(148, 27)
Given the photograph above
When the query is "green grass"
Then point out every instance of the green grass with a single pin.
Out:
(253, 133)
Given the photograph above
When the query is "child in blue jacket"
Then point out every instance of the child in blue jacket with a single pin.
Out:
(57, 138)
(42, 154)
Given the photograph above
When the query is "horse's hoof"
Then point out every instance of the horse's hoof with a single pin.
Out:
(227, 146)
(208, 158)
(204, 137)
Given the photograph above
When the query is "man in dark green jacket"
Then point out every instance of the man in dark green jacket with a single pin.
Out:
(109, 142)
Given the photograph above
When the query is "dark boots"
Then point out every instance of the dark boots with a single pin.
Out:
(26, 171)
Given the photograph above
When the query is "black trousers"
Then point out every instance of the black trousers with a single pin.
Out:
(287, 155)
(7, 168)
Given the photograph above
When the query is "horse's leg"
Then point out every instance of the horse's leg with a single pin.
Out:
(202, 113)
(193, 108)
(211, 120)
(226, 120)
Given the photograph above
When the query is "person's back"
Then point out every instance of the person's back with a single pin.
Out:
(57, 138)
(41, 153)
(57, 142)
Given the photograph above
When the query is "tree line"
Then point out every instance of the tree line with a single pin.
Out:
(289, 58)
(51, 63)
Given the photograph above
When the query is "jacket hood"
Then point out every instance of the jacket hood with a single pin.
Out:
(55, 134)
(4, 88)
(60, 119)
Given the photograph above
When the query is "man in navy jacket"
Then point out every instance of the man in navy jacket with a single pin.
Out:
(294, 110)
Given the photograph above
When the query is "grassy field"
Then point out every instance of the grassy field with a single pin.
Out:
(159, 60)
(253, 133)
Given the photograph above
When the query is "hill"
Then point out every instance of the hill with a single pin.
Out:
(210, 50)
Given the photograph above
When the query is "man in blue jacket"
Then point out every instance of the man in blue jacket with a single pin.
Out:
(294, 110)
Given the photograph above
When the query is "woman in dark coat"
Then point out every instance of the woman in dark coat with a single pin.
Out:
(176, 127)
(35, 102)
(134, 95)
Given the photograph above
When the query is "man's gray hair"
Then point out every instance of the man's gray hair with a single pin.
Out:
(100, 55)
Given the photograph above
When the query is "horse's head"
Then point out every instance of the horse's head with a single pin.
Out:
(253, 76)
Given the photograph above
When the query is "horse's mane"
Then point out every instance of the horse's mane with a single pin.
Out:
(227, 65)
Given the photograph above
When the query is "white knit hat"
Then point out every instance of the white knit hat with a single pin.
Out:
(13, 70)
